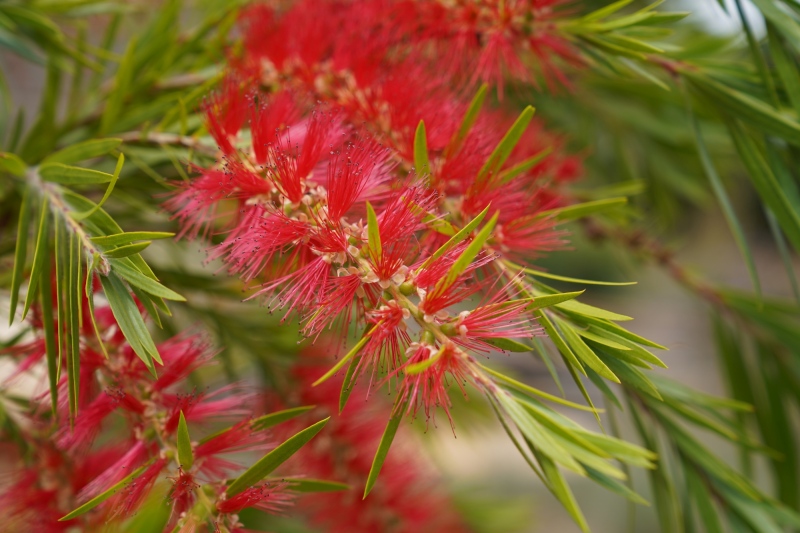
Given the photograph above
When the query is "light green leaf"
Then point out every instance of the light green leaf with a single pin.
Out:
(115, 176)
(307, 485)
(279, 417)
(360, 344)
(585, 353)
(373, 234)
(507, 345)
(12, 164)
(130, 321)
(536, 392)
(83, 151)
(462, 234)
(132, 236)
(507, 144)
(347, 383)
(69, 175)
(573, 212)
(422, 162)
(128, 249)
(185, 455)
(133, 276)
(591, 311)
(100, 498)
(547, 275)
(548, 300)
(469, 253)
(267, 464)
(470, 117)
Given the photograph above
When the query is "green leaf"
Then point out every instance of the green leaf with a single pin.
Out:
(69, 175)
(573, 212)
(306, 485)
(745, 107)
(128, 249)
(348, 383)
(21, 251)
(133, 276)
(582, 309)
(267, 464)
(469, 253)
(507, 144)
(373, 234)
(547, 275)
(40, 256)
(132, 236)
(536, 392)
(12, 164)
(383, 449)
(509, 174)
(559, 487)
(585, 353)
(185, 455)
(100, 498)
(606, 11)
(83, 151)
(764, 181)
(614, 485)
(48, 324)
(130, 321)
(114, 177)
(507, 345)
(360, 344)
(462, 234)
(470, 117)
(724, 200)
(279, 417)
(548, 300)
(422, 162)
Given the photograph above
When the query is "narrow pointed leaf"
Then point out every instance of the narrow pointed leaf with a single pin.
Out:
(69, 175)
(41, 254)
(422, 162)
(126, 250)
(507, 144)
(469, 253)
(133, 236)
(106, 195)
(470, 117)
(267, 464)
(279, 417)
(462, 234)
(12, 164)
(574, 212)
(548, 300)
(383, 450)
(507, 345)
(21, 251)
(308, 485)
(185, 455)
(100, 498)
(373, 234)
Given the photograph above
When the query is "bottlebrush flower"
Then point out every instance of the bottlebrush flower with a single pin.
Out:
(271, 498)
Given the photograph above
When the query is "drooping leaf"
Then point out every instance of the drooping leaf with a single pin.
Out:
(383, 449)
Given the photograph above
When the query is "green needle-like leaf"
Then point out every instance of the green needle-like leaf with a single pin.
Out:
(422, 162)
(383, 448)
(373, 234)
(83, 151)
(507, 144)
(462, 234)
(100, 498)
(267, 464)
(69, 175)
(21, 251)
(185, 455)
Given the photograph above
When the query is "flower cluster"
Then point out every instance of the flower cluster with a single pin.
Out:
(73, 464)
(324, 207)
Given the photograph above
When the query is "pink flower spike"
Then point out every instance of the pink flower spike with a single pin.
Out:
(270, 498)
(88, 422)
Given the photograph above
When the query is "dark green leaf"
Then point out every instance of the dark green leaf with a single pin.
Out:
(21, 251)
(69, 175)
(83, 151)
(383, 449)
(279, 417)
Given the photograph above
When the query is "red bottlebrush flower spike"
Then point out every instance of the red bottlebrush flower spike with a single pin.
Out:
(268, 116)
(426, 388)
(271, 498)
(131, 496)
(225, 113)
